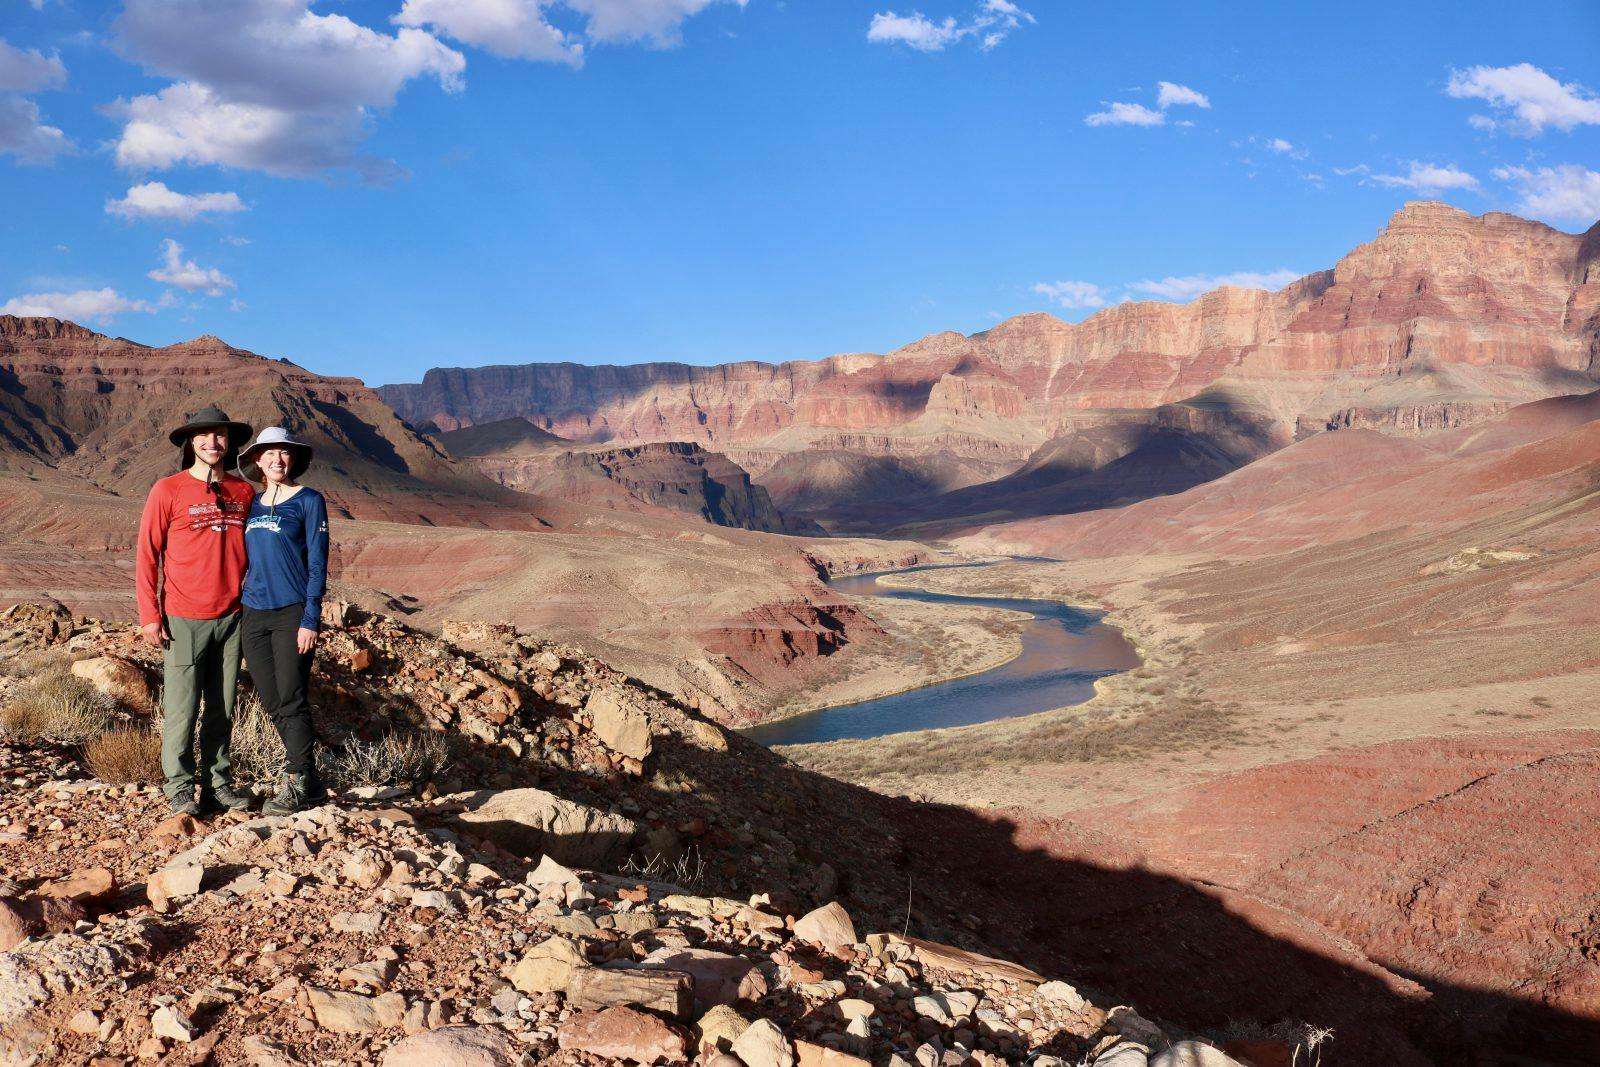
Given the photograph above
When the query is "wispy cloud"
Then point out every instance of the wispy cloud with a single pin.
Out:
(989, 25)
(23, 131)
(1168, 95)
(1071, 294)
(1189, 286)
(1426, 178)
(1568, 193)
(1526, 99)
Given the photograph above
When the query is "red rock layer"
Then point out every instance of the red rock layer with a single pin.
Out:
(1444, 317)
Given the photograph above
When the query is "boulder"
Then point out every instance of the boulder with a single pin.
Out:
(548, 966)
(532, 822)
(1062, 995)
(15, 925)
(764, 1045)
(719, 1028)
(120, 679)
(1124, 1054)
(88, 886)
(719, 978)
(455, 1046)
(595, 988)
(173, 883)
(352, 1013)
(168, 1022)
(621, 726)
(828, 926)
(622, 1033)
(1260, 1052)
(1193, 1054)
(808, 1055)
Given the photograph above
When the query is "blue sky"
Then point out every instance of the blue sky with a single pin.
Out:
(375, 188)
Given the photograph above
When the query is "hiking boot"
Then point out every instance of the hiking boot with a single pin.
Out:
(182, 805)
(316, 792)
(220, 798)
(291, 797)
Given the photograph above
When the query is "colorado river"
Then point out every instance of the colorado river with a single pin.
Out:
(1064, 649)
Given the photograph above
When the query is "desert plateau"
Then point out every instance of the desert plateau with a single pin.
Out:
(518, 582)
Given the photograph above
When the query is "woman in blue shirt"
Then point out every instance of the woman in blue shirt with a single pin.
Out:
(286, 541)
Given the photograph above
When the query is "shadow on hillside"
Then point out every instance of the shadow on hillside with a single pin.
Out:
(1045, 894)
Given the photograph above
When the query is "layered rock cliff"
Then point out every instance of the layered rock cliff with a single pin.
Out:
(1445, 318)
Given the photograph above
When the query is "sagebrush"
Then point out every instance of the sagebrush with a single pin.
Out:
(125, 755)
(55, 706)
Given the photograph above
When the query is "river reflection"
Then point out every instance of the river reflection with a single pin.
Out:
(1063, 651)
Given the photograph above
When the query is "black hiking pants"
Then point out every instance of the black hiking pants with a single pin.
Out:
(283, 679)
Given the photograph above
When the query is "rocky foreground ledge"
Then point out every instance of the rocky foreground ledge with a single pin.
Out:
(563, 894)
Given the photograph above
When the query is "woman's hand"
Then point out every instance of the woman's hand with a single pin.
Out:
(305, 640)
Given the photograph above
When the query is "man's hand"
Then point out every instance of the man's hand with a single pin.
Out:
(305, 640)
(156, 633)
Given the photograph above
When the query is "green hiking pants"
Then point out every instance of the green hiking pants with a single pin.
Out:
(200, 672)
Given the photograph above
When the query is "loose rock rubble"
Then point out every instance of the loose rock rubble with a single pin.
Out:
(481, 918)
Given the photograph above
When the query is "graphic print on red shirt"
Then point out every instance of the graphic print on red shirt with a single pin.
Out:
(191, 547)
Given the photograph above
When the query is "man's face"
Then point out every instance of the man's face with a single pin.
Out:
(210, 446)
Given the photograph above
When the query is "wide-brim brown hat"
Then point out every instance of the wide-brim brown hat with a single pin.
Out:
(274, 437)
(210, 418)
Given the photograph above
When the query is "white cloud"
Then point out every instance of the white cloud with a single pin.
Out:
(1568, 193)
(1071, 294)
(1192, 285)
(1429, 178)
(1168, 95)
(658, 21)
(153, 200)
(186, 274)
(1171, 95)
(189, 123)
(1533, 98)
(265, 84)
(85, 305)
(1126, 115)
(514, 29)
(915, 29)
(521, 29)
(24, 134)
(1279, 145)
(30, 71)
(990, 24)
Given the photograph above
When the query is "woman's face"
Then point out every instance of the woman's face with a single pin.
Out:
(275, 464)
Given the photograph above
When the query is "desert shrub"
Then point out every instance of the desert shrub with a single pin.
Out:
(55, 706)
(399, 757)
(125, 754)
(256, 749)
(28, 663)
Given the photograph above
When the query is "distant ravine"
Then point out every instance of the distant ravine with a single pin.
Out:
(1064, 649)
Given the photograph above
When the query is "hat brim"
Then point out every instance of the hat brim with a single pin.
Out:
(248, 468)
(238, 433)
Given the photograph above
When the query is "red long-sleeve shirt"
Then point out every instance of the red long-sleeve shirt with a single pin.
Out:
(194, 539)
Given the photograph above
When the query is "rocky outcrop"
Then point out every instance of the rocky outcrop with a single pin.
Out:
(677, 475)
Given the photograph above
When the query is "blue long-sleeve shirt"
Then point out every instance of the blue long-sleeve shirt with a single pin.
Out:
(287, 545)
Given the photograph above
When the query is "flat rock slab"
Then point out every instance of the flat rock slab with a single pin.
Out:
(622, 1033)
(456, 1046)
(532, 822)
(595, 988)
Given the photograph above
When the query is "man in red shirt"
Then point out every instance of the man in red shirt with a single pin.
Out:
(190, 571)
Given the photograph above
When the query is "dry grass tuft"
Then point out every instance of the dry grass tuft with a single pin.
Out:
(400, 757)
(55, 706)
(124, 755)
(255, 749)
